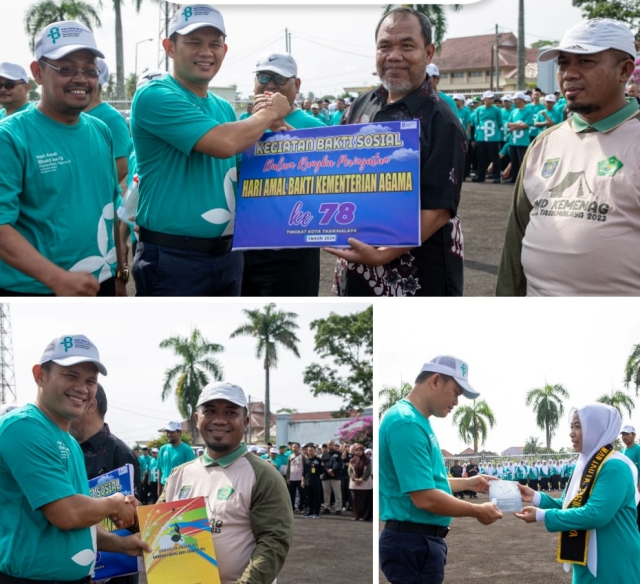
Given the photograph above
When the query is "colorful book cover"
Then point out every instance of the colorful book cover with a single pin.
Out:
(181, 543)
(108, 564)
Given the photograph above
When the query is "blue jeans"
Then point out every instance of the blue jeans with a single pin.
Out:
(165, 271)
(412, 558)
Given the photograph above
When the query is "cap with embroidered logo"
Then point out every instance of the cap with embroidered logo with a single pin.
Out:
(628, 430)
(282, 63)
(13, 72)
(433, 70)
(550, 98)
(223, 390)
(594, 36)
(171, 427)
(58, 39)
(488, 95)
(70, 350)
(194, 16)
(453, 367)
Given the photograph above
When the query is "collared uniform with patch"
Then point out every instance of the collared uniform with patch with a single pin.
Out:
(249, 511)
(30, 546)
(58, 187)
(574, 228)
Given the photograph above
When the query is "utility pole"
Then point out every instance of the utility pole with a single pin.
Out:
(521, 53)
(7, 372)
(497, 59)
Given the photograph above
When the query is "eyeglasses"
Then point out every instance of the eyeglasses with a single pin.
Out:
(264, 78)
(9, 85)
(73, 71)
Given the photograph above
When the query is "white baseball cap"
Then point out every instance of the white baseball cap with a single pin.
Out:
(458, 97)
(453, 367)
(150, 75)
(171, 427)
(550, 97)
(194, 16)
(520, 95)
(507, 98)
(273, 451)
(594, 36)
(253, 448)
(223, 390)
(433, 70)
(61, 38)
(527, 98)
(628, 430)
(6, 408)
(70, 350)
(282, 63)
(13, 72)
(262, 450)
(104, 71)
(488, 95)
(154, 450)
(469, 102)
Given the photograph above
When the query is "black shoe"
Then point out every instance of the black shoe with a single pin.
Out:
(338, 512)
(326, 512)
(477, 179)
(507, 181)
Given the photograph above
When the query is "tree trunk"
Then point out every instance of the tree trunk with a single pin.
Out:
(267, 403)
(521, 53)
(119, 52)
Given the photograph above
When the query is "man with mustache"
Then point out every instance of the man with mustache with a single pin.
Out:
(58, 184)
(14, 89)
(574, 226)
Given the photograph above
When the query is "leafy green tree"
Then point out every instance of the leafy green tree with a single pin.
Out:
(45, 12)
(627, 11)
(632, 369)
(474, 422)
(436, 13)
(109, 89)
(618, 400)
(188, 378)
(33, 90)
(186, 437)
(271, 328)
(348, 342)
(132, 80)
(287, 411)
(532, 446)
(542, 43)
(392, 394)
(548, 407)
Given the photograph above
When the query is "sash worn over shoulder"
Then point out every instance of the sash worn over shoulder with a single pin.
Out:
(572, 545)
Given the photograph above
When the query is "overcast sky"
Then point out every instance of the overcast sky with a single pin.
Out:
(127, 334)
(511, 346)
(333, 45)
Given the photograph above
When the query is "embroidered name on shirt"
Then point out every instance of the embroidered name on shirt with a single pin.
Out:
(50, 161)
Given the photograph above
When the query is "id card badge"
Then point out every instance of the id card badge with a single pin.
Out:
(313, 470)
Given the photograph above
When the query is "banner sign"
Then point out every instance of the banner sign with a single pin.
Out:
(318, 187)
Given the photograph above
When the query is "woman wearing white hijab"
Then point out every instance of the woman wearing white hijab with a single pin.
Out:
(596, 516)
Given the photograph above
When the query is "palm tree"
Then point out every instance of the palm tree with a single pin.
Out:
(619, 400)
(531, 446)
(393, 394)
(271, 328)
(190, 375)
(472, 422)
(547, 404)
(437, 17)
(632, 369)
(47, 11)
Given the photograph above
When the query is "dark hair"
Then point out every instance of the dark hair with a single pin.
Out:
(424, 375)
(46, 366)
(101, 401)
(404, 12)
(298, 443)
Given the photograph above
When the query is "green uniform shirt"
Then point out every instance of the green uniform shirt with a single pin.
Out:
(634, 454)
(58, 187)
(245, 115)
(464, 114)
(26, 106)
(554, 116)
(181, 192)
(521, 137)
(299, 120)
(449, 100)
(30, 546)
(171, 456)
(336, 117)
(122, 144)
(535, 108)
(505, 113)
(153, 470)
(488, 123)
(409, 460)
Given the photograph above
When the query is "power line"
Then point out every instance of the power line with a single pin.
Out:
(333, 48)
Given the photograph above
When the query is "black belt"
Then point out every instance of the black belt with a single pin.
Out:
(215, 246)
(6, 579)
(421, 528)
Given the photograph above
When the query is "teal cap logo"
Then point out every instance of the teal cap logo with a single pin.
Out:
(464, 369)
(54, 34)
(67, 343)
(187, 13)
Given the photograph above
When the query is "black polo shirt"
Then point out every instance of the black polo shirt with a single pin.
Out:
(434, 268)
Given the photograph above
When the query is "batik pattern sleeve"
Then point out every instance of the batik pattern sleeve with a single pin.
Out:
(609, 494)
(44, 478)
(271, 520)
(511, 278)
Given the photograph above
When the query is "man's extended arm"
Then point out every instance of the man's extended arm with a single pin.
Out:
(80, 511)
(441, 503)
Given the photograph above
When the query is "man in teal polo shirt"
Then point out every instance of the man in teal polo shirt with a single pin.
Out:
(488, 123)
(187, 141)
(282, 272)
(14, 89)
(172, 454)
(416, 500)
(51, 522)
(58, 184)
(520, 120)
(631, 450)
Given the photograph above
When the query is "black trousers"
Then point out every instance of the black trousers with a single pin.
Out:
(488, 152)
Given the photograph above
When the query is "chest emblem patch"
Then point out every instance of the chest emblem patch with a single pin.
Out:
(184, 492)
(224, 493)
(550, 167)
(609, 167)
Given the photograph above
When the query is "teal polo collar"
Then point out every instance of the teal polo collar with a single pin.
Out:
(610, 122)
(225, 460)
